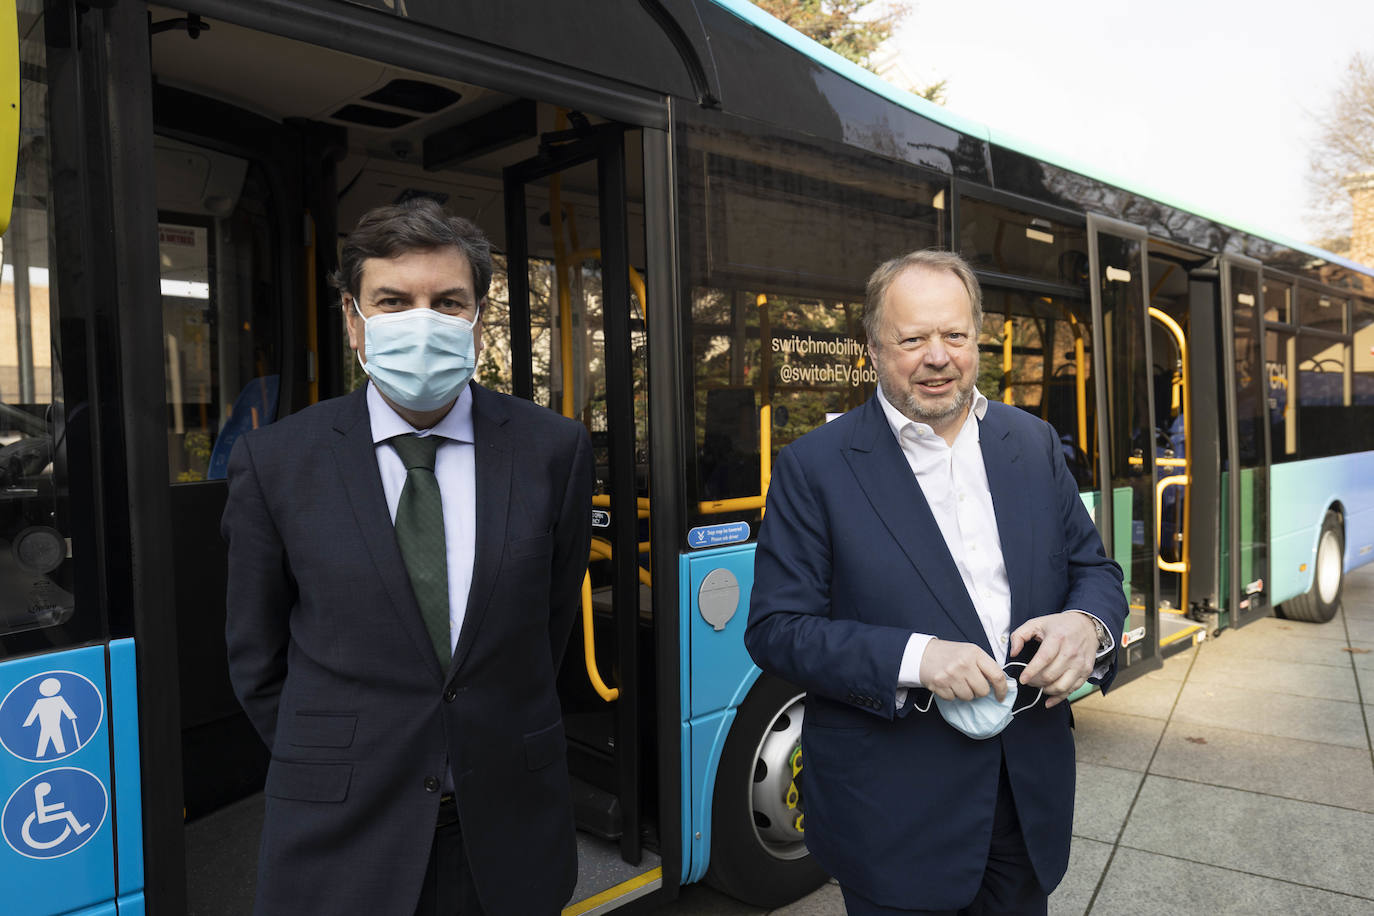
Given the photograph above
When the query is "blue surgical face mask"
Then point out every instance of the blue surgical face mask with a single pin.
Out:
(419, 358)
(984, 717)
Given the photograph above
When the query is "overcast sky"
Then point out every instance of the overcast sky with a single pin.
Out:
(1210, 100)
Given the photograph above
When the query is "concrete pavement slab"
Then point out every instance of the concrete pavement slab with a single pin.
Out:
(828, 901)
(1103, 796)
(1087, 859)
(1300, 842)
(1279, 645)
(1151, 695)
(1360, 630)
(1267, 675)
(1283, 715)
(1284, 767)
(1146, 884)
(1113, 739)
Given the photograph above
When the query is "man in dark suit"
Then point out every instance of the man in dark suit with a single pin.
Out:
(910, 549)
(405, 565)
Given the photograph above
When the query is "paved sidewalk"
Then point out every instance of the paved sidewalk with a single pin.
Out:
(1238, 779)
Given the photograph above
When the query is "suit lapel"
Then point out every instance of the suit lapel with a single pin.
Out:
(492, 459)
(882, 471)
(356, 455)
(1006, 480)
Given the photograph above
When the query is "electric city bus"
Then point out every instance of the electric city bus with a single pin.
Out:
(686, 199)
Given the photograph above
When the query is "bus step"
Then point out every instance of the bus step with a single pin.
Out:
(596, 810)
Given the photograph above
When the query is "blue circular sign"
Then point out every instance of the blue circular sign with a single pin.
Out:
(55, 813)
(50, 716)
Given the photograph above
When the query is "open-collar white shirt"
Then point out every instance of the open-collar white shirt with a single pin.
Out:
(954, 481)
(456, 470)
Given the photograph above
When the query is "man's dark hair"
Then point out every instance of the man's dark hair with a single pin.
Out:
(419, 224)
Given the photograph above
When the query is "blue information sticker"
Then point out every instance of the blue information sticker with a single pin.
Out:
(50, 716)
(718, 535)
(54, 813)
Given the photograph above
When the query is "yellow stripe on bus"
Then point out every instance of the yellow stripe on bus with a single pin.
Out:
(622, 889)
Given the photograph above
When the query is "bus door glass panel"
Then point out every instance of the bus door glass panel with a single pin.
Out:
(1362, 374)
(1120, 284)
(44, 438)
(1036, 354)
(1169, 293)
(1250, 409)
(779, 237)
(221, 322)
(1281, 370)
(587, 359)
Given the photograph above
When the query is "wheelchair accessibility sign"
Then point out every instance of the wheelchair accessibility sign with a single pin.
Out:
(50, 716)
(54, 813)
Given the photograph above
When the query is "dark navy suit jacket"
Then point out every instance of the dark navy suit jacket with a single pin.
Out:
(850, 562)
(331, 660)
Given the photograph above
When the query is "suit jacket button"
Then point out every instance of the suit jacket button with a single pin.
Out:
(450, 694)
(431, 784)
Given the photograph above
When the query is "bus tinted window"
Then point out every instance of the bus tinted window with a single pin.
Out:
(221, 321)
(1036, 353)
(1278, 300)
(1317, 309)
(1007, 241)
(36, 450)
(1323, 388)
(1362, 374)
(780, 238)
(1281, 369)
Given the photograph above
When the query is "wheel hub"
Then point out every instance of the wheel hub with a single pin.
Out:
(1328, 567)
(776, 796)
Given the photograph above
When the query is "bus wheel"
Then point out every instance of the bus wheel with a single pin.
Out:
(757, 850)
(1319, 604)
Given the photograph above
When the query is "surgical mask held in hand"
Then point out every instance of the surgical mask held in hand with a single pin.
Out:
(419, 358)
(983, 717)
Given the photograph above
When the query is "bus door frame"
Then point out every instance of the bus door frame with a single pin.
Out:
(603, 144)
(1208, 413)
(1140, 654)
(1242, 608)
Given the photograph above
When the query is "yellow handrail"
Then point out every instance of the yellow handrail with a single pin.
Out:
(9, 107)
(589, 645)
(1180, 567)
(1007, 328)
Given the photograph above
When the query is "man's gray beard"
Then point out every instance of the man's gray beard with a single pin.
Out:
(909, 407)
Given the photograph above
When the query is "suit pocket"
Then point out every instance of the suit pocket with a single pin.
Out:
(545, 746)
(313, 782)
(1058, 560)
(322, 730)
(538, 546)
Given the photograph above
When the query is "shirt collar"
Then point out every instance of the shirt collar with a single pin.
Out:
(387, 423)
(898, 421)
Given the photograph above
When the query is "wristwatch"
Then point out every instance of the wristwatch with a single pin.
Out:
(1104, 639)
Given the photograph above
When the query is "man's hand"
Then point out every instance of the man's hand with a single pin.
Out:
(961, 670)
(1067, 653)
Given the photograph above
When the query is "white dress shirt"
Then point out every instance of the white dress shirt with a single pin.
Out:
(456, 470)
(954, 481)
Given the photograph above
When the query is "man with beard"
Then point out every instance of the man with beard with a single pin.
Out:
(911, 550)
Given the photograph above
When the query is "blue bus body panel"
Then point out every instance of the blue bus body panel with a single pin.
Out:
(101, 909)
(57, 851)
(128, 800)
(131, 905)
(1299, 494)
(716, 674)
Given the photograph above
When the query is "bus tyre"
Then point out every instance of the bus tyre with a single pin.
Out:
(758, 854)
(1319, 604)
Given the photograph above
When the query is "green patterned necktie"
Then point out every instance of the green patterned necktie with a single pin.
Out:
(420, 534)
